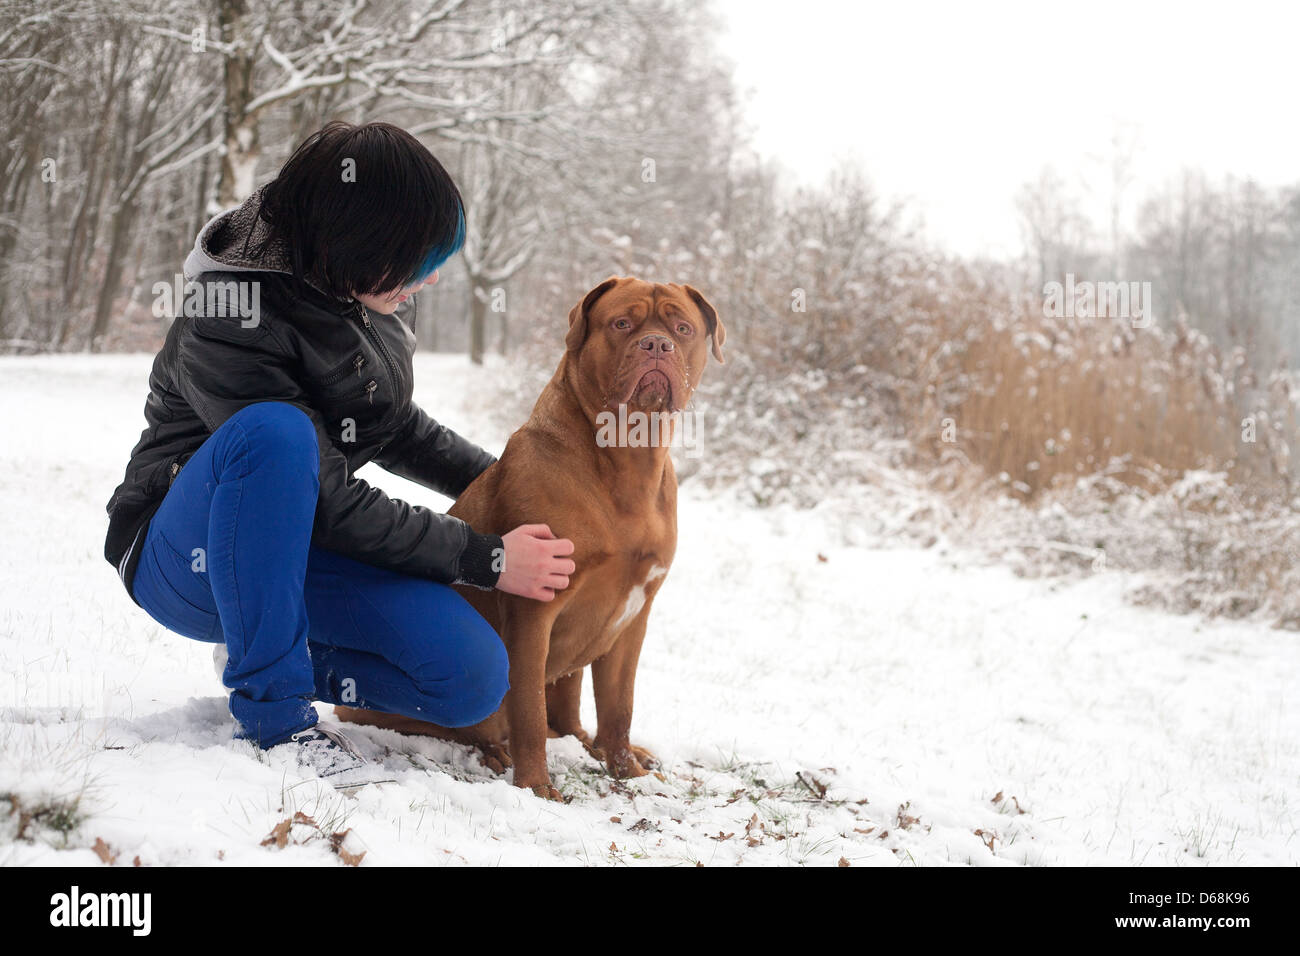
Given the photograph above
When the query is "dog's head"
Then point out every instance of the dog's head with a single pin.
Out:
(643, 344)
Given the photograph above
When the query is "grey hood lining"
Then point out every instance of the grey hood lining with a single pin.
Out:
(230, 240)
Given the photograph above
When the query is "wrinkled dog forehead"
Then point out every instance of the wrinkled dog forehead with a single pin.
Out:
(639, 297)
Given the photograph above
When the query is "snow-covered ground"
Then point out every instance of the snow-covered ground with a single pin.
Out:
(815, 700)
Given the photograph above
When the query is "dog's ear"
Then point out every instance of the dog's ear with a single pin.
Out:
(578, 314)
(716, 329)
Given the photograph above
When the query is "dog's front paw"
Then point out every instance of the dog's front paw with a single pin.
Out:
(623, 760)
(645, 757)
(540, 784)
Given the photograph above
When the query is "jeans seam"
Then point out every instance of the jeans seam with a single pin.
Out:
(187, 558)
(242, 455)
(165, 581)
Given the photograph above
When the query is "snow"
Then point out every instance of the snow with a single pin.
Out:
(787, 651)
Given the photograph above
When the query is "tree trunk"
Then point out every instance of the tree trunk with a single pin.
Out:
(82, 237)
(199, 215)
(504, 340)
(242, 145)
(478, 311)
(123, 218)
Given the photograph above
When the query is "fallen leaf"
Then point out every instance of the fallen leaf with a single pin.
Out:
(103, 851)
(279, 834)
(998, 799)
(860, 830)
(905, 820)
(336, 844)
(722, 836)
(843, 862)
(615, 819)
(812, 783)
(136, 861)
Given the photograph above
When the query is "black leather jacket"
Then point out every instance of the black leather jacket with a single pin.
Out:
(337, 361)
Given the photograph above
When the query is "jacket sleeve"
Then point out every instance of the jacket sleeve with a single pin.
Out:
(433, 455)
(222, 367)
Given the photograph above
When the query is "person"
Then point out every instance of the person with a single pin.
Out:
(240, 521)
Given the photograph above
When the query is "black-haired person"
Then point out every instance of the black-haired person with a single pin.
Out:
(240, 521)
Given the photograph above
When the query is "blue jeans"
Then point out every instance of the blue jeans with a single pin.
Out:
(228, 557)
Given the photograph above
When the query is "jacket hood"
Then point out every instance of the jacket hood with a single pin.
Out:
(232, 241)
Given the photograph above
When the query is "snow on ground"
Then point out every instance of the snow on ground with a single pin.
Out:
(814, 700)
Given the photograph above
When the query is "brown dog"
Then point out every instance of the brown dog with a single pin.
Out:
(632, 343)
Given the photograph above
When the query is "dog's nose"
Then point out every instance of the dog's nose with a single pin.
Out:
(656, 344)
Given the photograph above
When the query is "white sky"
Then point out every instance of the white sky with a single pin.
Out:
(956, 105)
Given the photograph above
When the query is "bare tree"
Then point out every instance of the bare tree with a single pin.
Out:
(1053, 227)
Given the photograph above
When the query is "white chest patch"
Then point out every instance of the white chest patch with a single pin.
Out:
(636, 597)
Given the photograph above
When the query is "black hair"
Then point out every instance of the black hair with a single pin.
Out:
(380, 223)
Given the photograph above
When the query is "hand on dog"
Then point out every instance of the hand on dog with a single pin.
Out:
(535, 566)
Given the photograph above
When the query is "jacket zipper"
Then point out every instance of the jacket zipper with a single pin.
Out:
(356, 364)
(388, 361)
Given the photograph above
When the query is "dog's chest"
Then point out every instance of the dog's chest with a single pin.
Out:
(609, 605)
(636, 598)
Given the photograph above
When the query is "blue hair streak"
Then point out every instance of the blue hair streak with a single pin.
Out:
(441, 252)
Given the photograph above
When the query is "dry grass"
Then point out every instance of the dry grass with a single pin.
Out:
(1039, 402)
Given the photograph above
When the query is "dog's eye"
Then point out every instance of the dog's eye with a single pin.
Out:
(622, 324)
(684, 328)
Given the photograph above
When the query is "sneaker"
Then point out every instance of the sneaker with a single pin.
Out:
(327, 752)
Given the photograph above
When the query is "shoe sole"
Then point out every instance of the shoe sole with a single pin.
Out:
(351, 789)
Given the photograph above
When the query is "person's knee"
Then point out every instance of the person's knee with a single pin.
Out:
(482, 679)
(281, 427)
(287, 424)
